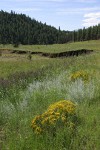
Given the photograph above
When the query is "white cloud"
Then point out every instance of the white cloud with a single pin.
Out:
(54, 0)
(92, 15)
(80, 1)
(91, 19)
(86, 1)
(76, 10)
(27, 9)
(41, 0)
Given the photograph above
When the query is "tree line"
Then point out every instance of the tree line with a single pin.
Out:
(21, 29)
(90, 33)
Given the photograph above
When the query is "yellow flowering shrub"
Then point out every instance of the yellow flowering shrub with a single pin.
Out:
(58, 115)
(80, 75)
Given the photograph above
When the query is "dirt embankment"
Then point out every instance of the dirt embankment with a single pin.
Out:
(50, 55)
(68, 53)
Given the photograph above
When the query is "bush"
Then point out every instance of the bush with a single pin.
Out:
(80, 75)
(0, 53)
(29, 56)
(58, 115)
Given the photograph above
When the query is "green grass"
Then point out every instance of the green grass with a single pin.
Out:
(94, 45)
(10, 64)
(20, 105)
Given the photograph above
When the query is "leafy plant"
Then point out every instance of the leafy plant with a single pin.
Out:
(58, 115)
(80, 75)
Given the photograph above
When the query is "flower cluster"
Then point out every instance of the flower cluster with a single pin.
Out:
(80, 75)
(58, 115)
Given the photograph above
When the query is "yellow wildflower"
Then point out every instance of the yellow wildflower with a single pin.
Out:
(80, 74)
(38, 130)
(57, 114)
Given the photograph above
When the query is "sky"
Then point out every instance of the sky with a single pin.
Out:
(68, 14)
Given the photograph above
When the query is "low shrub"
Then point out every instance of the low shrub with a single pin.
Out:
(58, 115)
(80, 75)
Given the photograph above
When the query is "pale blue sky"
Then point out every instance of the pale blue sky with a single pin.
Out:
(68, 14)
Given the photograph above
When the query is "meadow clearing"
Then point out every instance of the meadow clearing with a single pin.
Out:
(53, 48)
(31, 88)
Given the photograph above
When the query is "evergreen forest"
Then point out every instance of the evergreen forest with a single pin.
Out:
(21, 29)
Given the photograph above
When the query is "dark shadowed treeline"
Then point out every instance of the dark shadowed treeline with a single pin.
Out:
(90, 33)
(20, 29)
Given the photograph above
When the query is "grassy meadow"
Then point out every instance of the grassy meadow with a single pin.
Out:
(53, 48)
(29, 87)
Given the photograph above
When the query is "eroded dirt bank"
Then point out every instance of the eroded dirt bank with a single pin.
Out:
(50, 55)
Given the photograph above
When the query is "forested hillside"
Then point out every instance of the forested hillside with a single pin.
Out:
(20, 29)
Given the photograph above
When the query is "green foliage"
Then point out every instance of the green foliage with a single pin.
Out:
(18, 28)
(29, 56)
(16, 45)
(0, 53)
(80, 75)
(59, 115)
(20, 103)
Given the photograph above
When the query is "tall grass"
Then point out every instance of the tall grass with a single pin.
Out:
(38, 96)
(21, 105)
